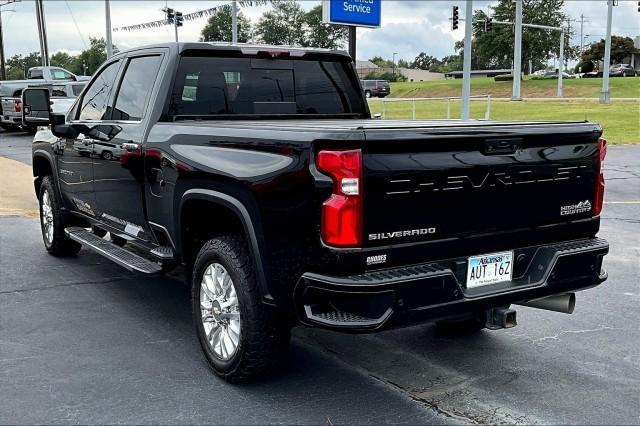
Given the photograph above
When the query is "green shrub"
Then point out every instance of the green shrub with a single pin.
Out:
(503, 77)
(389, 76)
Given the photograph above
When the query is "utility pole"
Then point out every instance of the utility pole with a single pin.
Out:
(234, 22)
(3, 70)
(517, 54)
(466, 81)
(42, 31)
(605, 95)
(107, 16)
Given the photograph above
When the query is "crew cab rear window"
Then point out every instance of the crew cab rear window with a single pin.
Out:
(59, 74)
(212, 86)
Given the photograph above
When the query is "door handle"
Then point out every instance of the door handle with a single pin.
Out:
(130, 146)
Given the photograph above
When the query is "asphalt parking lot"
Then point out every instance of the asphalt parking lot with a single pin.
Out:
(84, 341)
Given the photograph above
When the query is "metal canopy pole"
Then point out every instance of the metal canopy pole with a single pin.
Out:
(466, 82)
(234, 22)
(605, 97)
(107, 15)
(517, 55)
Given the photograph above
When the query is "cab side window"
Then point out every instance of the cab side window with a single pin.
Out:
(95, 100)
(135, 88)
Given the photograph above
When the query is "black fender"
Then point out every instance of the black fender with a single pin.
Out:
(252, 228)
(42, 153)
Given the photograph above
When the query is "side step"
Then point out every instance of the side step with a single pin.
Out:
(119, 255)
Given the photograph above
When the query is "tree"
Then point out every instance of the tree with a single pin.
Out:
(64, 60)
(92, 57)
(425, 62)
(18, 65)
(448, 64)
(319, 34)
(218, 26)
(402, 63)
(381, 62)
(494, 49)
(282, 25)
(621, 48)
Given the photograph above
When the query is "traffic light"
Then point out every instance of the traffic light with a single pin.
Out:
(179, 19)
(639, 7)
(488, 24)
(170, 14)
(455, 18)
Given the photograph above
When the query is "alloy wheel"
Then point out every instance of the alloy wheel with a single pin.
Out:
(46, 215)
(220, 311)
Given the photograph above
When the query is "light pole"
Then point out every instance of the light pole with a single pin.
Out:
(394, 63)
(517, 55)
(234, 22)
(466, 73)
(107, 16)
(605, 95)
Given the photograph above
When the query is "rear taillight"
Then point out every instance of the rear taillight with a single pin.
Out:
(342, 212)
(599, 192)
(17, 106)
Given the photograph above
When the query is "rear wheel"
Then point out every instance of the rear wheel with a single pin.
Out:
(367, 94)
(240, 337)
(52, 222)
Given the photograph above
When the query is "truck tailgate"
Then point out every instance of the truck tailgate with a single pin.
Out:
(437, 183)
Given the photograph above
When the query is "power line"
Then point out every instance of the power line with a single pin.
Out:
(76, 24)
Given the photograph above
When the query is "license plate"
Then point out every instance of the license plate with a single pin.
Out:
(489, 269)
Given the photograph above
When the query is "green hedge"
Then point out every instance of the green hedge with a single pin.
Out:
(389, 76)
(503, 77)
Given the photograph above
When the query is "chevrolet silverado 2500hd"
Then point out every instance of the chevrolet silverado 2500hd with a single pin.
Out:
(261, 171)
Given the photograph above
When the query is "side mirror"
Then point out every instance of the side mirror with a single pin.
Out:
(36, 107)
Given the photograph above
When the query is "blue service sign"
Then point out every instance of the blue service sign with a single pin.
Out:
(362, 13)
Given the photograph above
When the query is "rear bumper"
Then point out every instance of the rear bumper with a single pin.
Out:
(10, 119)
(436, 290)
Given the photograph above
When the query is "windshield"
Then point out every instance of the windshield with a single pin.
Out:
(213, 86)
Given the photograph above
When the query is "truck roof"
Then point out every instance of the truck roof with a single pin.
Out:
(247, 48)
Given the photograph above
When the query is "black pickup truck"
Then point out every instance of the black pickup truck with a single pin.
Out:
(260, 171)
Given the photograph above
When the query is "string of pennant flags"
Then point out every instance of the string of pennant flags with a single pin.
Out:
(199, 14)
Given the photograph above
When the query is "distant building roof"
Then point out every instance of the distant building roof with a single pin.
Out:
(365, 64)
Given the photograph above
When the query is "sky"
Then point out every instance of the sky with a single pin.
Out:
(408, 26)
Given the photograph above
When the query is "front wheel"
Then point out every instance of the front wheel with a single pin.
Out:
(240, 337)
(52, 222)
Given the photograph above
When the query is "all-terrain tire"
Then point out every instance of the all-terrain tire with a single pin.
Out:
(55, 241)
(263, 339)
